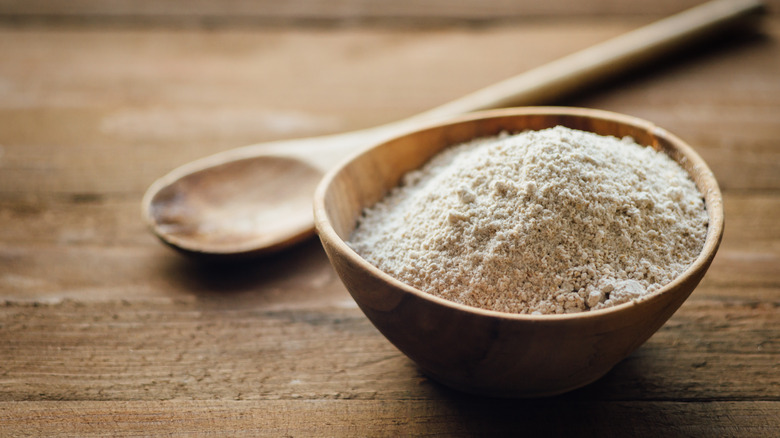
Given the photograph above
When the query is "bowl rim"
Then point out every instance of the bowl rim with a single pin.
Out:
(713, 203)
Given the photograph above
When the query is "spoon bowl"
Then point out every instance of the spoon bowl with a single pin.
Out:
(488, 352)
(211, 211)
(248, 201)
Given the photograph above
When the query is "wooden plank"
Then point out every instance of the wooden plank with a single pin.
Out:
(231, 12)
(450, 416)
(73, 100)
(285, 338)
(76, 101)
(75, 246)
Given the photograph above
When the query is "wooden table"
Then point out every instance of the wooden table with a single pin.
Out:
(104, 331)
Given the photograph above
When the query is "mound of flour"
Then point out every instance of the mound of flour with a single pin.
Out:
(551, 221)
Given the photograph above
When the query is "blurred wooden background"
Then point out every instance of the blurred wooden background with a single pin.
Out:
(405, 12)
(103, 331)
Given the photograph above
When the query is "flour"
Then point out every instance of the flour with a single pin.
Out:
(551, 221)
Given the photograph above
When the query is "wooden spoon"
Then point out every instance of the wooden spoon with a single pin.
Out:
(258, 199)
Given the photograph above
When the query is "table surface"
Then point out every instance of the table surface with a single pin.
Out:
(103, 330)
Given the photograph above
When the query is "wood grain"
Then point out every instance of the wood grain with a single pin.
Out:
(226, 344)
(103, 331)
(151, 104)
(357, 418)
(319, 12)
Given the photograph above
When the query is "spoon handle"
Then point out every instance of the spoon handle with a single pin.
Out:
(604, 60)
(537, 86)
(534, 87)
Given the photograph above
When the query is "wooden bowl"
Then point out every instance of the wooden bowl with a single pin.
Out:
(487, 352)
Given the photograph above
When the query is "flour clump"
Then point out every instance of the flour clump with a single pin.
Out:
(544, 222)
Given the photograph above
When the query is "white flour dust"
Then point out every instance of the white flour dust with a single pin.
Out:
(551, 221)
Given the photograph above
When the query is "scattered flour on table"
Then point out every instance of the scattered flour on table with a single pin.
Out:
(551, 221)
